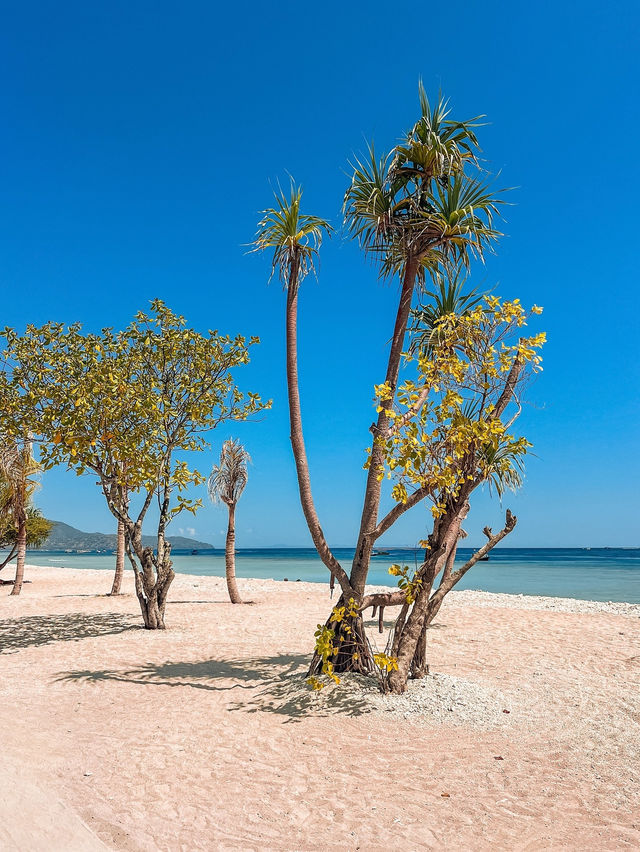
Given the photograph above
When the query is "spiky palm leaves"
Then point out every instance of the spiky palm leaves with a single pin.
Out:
(17, 469)
(294, 237)
(447, 297)
(229, 477)
(418, 202)
(226, 483)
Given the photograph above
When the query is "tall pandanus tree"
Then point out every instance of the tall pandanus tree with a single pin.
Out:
(294, 238)
(420, 214)
(17, 469)
(226, 483)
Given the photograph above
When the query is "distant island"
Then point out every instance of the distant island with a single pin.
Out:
(66, 537)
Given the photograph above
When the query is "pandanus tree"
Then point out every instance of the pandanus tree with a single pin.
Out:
(294, 238)
(17, 471)
(227, 481)
(126, 407)
(423, 214)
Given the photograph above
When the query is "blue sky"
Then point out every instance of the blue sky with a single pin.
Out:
(139, 144)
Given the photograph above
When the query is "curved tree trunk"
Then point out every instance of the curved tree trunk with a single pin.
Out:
(117, 577)
(11, 555)
(22, 549)
(230, 557)
(297, 439)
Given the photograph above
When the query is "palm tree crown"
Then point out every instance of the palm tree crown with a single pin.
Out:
(295, 237)
(418, 201)
(229, 477)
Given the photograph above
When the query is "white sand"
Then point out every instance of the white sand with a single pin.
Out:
(203, 737)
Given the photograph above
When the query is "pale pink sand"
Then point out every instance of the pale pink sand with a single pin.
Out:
(200, 738)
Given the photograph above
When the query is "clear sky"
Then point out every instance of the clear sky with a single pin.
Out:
(138, 147)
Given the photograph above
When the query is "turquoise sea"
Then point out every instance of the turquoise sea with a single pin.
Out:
(600, 574)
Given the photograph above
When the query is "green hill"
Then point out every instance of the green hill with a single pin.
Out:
(65, 537)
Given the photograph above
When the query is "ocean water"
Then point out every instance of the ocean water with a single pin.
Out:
(599, 574)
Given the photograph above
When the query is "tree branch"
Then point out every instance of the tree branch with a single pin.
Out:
(399, 509)
(509, 388)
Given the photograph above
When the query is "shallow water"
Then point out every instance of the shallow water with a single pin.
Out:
(600, 574)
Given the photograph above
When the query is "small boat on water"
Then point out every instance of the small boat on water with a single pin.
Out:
(380, 553)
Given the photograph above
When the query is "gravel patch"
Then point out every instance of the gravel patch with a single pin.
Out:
(435, 699)
(439, 698)
(468, 597)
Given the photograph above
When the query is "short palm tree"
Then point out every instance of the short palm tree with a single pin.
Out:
(226, 483)
(17, 469)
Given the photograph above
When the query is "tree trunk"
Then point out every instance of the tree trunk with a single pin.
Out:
(151, 587)
(152, 613)
(22, 549)
(11, 555)
(353, 653)
(230, 557)
(297, 437)
(419, 667)
(369, 519)
(117, 577)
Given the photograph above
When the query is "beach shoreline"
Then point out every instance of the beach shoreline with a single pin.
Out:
(526, 734)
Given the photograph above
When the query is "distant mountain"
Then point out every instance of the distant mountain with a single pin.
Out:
(65, 537)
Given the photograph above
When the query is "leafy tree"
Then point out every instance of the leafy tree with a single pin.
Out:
(126, 406)
(423, 214)
(226, 483)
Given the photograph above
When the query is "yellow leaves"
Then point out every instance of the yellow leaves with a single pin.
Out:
(385, 663)
(57, 438)
(399, 493)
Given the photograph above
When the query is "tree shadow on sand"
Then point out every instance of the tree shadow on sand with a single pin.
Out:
(19, 633)
(274, 684)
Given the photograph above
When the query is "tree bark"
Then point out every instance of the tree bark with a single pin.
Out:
(230, 557)
(297, 438)
(371, 505)
(22, 549)
(426, 605)
(117, 577)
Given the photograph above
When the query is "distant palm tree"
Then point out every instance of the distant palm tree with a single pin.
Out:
(17, 468)
(226, 484)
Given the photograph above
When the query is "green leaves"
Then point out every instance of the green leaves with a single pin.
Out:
(295, 237)
(418, 201)
(122, 404)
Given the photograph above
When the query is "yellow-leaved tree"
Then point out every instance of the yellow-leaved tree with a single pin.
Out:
(125, 407)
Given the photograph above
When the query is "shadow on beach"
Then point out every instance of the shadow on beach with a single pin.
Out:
(18, 633)
(276, 684)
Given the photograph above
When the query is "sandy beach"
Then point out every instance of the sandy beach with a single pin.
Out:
(526, 736)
